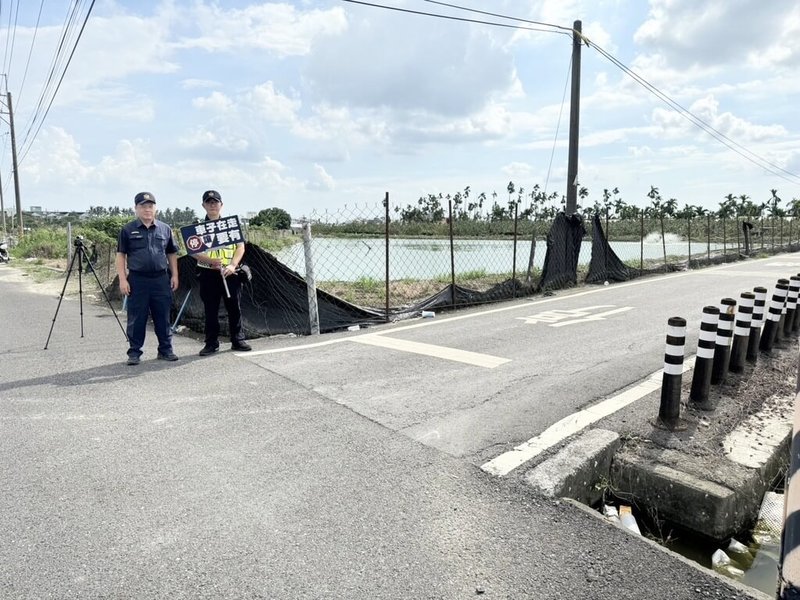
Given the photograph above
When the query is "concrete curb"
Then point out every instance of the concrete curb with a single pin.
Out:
(716, 495)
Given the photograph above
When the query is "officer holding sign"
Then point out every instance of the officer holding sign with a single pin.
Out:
(217, 272)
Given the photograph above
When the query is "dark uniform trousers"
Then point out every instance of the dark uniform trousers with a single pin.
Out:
(211, 292)
(151, 294)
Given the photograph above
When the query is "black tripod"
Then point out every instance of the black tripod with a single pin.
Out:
(82, 258)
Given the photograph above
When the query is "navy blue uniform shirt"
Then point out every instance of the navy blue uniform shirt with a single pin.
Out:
(146, 247)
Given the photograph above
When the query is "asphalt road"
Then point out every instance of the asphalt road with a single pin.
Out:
(479, 382)
(343, 470)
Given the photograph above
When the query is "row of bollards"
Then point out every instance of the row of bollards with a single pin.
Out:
(752, 334)
(789, 560)
(730, 336)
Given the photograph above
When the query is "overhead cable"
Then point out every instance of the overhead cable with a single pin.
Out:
(736, 147)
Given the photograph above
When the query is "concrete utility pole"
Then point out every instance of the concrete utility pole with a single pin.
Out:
(14, 162)
(574, 121)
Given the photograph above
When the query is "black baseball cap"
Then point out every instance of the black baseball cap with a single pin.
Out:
(212, 195)
(143, 197)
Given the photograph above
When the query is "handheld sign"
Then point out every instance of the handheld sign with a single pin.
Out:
(205, 236)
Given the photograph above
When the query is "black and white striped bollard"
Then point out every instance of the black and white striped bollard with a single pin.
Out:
(741, 331)
(773, 316)
(756, 323)
(791, 306)
(701, 377)
(796, 323)
(779, 336)
(670, 410)
(722, 348)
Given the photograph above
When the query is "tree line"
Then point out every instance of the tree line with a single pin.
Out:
(536, 204)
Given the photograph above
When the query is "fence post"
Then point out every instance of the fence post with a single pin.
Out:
(756, 323)
(514, 258)
(311, 284)
(452, 253)
(791, 305)
(738, 242)
(773, 316)
(670, 409)
(701, 378)
(781, 233)
(724, 240)
(386, 237)
(708, 234)
(69, 245)
(722, 349)
(641, 246)
(741, 333)
(689, 224)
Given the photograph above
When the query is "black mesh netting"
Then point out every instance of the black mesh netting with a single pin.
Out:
(563, 250)
(605, 265)
(274, 302)
(458, 295)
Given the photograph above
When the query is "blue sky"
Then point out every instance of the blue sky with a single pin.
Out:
(316, 104)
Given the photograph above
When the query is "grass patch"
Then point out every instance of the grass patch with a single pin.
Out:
(41, 270)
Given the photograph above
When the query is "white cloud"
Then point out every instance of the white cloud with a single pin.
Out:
(322, 180)
(213, 142)
(446, 70)
(277, 27)
(216, 101)
(56, 159)
(270, 105)
(193, 84)
(673, 125)
(721, 33)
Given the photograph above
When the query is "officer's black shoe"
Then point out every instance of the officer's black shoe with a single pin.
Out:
(208, 349)
(170, 357)
(133, 360)
(241, 346)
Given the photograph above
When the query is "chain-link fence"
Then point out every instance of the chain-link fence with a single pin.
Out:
(364, 256)
(368, 256)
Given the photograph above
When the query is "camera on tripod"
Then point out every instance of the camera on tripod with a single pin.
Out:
(82, 258)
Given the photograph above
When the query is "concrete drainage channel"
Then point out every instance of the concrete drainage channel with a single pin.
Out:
(700, 479)
(699, 488)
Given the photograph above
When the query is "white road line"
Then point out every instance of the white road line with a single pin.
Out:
(290, 348)
(571, 424)
(523, 305)
(464, 356)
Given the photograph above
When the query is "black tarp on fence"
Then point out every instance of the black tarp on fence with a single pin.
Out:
(274, 302)
(605, 265)
(560, 268)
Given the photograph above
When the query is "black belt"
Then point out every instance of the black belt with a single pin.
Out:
(149, 273)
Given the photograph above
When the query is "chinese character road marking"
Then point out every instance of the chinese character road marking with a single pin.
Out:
(555, 318)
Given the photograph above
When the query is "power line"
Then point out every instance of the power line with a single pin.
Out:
(736, 147)
(10, 36)
(26, 149)
(739, 149)
(568, 30)
(453, 18)
(30, 52)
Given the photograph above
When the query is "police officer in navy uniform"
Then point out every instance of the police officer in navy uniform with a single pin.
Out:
(214, 266)
(147, 266)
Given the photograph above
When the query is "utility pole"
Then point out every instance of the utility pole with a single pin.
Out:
(3, 210)
(574, 121)
(16, 168)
